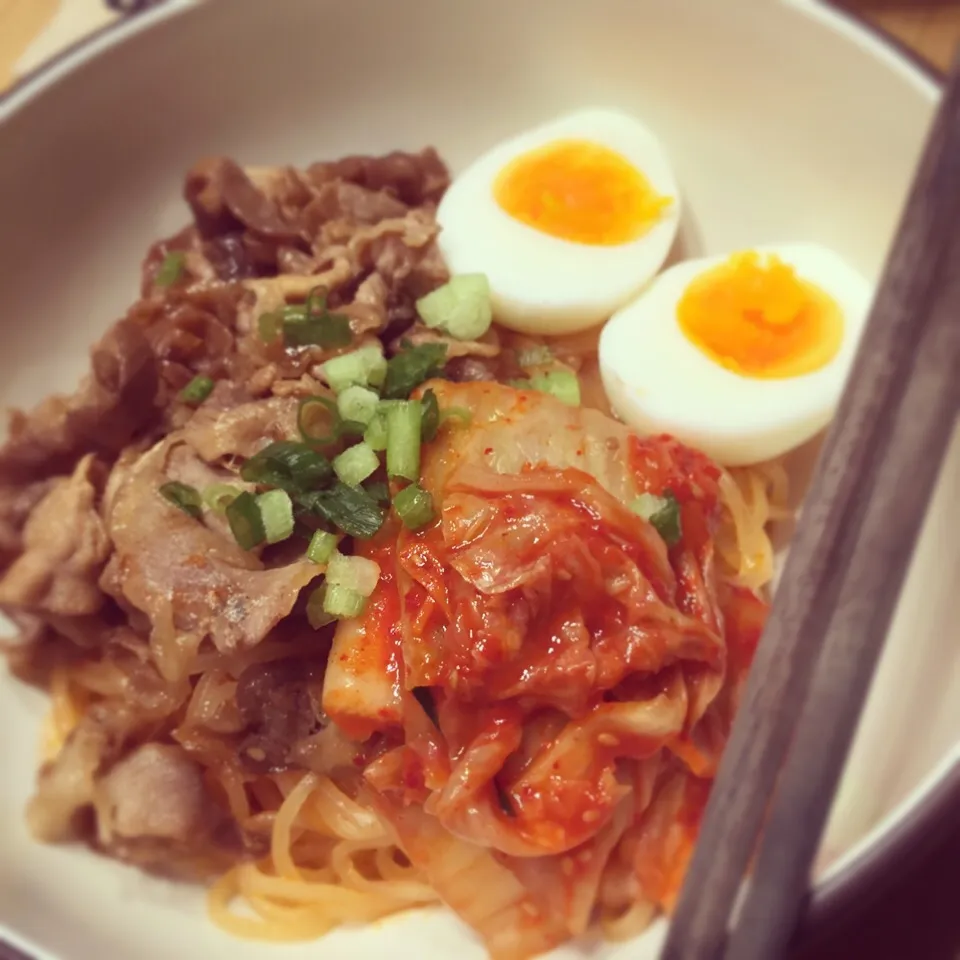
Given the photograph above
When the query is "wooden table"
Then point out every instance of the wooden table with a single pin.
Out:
(918, 916)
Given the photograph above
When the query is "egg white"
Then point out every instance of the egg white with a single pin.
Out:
(659, 382)
(539, 283)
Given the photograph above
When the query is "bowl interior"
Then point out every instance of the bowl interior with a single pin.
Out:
(782, 123)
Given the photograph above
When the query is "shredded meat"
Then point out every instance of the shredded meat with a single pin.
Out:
(155, 793)
(64, 549)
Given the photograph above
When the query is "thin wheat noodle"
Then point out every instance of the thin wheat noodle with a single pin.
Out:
(281, 840)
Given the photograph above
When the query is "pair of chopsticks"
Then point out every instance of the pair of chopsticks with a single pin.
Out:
(840, 586)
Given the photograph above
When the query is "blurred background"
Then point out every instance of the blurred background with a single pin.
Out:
(914, 915)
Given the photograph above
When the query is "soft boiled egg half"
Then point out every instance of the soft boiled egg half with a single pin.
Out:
(568, 221)
(743, 356)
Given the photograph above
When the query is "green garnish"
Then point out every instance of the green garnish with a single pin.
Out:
(461, 307)
(316, 615)
(430, 422)
(356, 463)
(375, 436)
(409, 368)
(378, 490)
(364, 367)
(170, 269)
(196, 391)
(351, 509)
(414, 506)
(322, 546)
(357, 404)
(276, 513)
(663, 513)
(184, 497)
(246, 522)
(289, 465)
(357, 573)
(218, 496)
(314, 325)
(404, 421)
(342, 602)
(562, 384)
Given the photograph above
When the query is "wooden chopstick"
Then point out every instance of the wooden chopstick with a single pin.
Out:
(840, 584)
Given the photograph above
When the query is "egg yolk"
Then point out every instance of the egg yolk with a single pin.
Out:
(755, 316)
(579, 191)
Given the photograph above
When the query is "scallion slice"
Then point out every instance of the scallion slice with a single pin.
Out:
(314, 325)
(562, 384)
(663, 513)
(322, 546)
(317, 616)
(360, 368)
(218, 496)
(409, 368)
(356, 463)
(246, 522)
(342, 602)
(357, 404)
(461, 307)
(375, 436)
(183, 496)
(270, 325)
(196, 391)
(276, 512)
(404, 420)
(358, 573)
(351, 509)
(287, 464)
(430, 421)
(378, 490)
(414, 506)
(170, 269)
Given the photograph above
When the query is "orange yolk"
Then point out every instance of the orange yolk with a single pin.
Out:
(758, 318)
(579, 191)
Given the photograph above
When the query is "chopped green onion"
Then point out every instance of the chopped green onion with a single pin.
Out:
(430, 422)
(409, 368)
(318, 421)
(196, 391)
(270, 325)
(246, 522)
(314, 325)
(562, 384)
(357, 404)
(351, 509)
(322, 546)
(171, 269)
(414, 506)
(663, 513)
(218, 496)
(456, 413)
(534, 356)
(461, 307)
(375, 436)
(183, 496)
(342, 602)
(287, 464)
(357, 573)
(378, 490)
(356, 463)
(316, 615)
(276, 512)
(360, 368)
(403, 439)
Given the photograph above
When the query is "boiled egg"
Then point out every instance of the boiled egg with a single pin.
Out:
(743, 356)
(568, 221)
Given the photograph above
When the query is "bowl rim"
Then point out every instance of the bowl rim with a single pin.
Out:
(910, 835)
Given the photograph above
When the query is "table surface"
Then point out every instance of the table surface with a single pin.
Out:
(917, 916)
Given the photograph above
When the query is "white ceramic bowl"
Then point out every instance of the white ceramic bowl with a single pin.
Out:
(785, 122)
